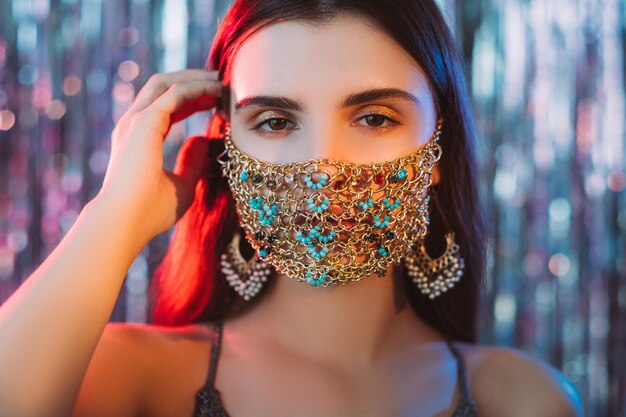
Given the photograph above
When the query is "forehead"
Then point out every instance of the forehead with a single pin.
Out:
(337, 57)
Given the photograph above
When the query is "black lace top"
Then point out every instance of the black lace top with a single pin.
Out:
(209, 404)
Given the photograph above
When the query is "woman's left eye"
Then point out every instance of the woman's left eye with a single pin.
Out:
(375, 121)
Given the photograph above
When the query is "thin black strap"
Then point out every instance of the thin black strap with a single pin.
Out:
(460, 370)
(215, 352)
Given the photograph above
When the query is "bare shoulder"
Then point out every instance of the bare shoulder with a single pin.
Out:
(128, 359)
(511, 382)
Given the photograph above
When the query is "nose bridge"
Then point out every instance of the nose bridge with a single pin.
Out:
(326, 144)
(325, 139)
(322, 141)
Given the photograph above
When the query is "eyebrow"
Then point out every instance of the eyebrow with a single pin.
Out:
(366, 96)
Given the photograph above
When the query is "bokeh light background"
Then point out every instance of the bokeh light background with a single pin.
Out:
(547, 79)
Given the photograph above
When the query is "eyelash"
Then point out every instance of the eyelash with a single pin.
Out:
(371, 128)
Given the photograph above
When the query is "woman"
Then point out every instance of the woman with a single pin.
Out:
(373, 93)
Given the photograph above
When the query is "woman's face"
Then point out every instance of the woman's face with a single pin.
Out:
(300, 92)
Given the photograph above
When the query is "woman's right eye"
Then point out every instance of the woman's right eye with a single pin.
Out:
(275, 124)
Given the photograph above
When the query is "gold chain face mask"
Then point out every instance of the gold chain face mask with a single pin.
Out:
(330, 222)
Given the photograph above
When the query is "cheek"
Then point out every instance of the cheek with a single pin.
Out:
(253, 145)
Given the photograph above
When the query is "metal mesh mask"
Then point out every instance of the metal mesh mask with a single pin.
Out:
(330, 222)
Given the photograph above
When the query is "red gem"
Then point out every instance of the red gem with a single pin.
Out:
(378, 179)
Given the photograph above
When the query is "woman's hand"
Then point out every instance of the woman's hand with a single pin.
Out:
(135, 179)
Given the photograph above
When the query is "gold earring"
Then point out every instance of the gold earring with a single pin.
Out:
(247, 277)
(435, 276)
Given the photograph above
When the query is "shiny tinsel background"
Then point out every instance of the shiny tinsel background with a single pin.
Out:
(547, 79)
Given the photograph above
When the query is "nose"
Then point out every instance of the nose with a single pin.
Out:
(326, 143)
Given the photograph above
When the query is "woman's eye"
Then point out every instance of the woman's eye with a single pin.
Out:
(376, 121)
(275, 124)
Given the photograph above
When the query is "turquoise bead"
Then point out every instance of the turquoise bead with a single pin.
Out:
(366, 205)
(316, 186)
(316, 282)
(314, 234)
(318, 254)
(383, 223)
(328, 238)
(391, 206)
(256, 203)
(243, 176)
(323, 206)
(266, 212)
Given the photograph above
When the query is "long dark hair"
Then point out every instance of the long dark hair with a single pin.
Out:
(189, 286)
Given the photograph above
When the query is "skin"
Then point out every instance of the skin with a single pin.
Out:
(308, 64)
(358, 347)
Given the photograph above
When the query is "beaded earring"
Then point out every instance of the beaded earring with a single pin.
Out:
(235, 267)
(435, 276)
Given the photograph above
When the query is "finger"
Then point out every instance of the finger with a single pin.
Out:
(156, 85)
(161, 82)
(191, 159)
(157, 116)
